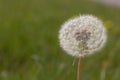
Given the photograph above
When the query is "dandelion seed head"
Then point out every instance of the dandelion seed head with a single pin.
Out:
(82, 35)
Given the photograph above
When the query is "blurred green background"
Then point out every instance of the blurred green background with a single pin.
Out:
(29, 45)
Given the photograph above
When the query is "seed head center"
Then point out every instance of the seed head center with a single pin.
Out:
(83, 36)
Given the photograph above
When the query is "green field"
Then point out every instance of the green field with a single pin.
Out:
(29, 45)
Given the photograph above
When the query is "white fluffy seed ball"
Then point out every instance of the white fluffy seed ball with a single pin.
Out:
(82, 35)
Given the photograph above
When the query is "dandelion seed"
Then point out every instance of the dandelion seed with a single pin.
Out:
(82, 35)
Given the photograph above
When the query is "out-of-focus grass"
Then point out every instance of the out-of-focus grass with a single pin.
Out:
(29, 48)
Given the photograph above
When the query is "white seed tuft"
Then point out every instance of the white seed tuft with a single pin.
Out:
(82, 35)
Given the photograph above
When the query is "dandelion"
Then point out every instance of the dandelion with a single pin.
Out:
(82, 36)
(86, 32)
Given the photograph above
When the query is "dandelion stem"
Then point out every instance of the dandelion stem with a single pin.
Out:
(79, 69)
